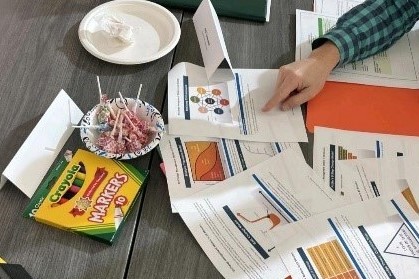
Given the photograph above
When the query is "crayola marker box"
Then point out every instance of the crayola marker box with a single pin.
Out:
(90, 195)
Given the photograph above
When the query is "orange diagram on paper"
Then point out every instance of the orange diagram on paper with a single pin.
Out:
(331, 261)
(205, 161)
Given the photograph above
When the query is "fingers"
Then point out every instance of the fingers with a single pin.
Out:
(298, 99)
(287, 83)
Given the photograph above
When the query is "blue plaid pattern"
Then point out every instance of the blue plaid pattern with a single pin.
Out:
(371, 27)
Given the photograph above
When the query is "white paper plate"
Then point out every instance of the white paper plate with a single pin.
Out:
(156, 32)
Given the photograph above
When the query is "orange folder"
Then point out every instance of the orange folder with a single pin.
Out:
(365, 108)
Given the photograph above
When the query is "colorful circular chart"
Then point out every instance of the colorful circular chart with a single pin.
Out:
(209, 100)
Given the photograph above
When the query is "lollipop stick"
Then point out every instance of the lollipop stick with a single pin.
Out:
(129, 121)
(87, 126)
(84, 126)
(120, 129)
(139, 92)
(100, 90)
(137, 99)
(110, 110)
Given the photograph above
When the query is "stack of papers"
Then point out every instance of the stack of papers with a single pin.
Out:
(216, 125)
(240, 182)
(281, 217)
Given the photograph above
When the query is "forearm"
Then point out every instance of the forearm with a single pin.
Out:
(371, 27)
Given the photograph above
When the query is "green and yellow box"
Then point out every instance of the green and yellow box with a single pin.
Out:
(90, 195)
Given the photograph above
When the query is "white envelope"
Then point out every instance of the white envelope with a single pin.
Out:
(36, 155)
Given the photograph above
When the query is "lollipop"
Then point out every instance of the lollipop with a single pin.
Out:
(134, 128)
(120, 145)
(103, 113)
(106, 140)
(134, 144)
(115, 123)
(122, 100)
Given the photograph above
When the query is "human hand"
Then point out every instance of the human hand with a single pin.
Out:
(300, 81)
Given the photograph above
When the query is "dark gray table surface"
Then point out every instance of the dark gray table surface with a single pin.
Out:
(40, 54)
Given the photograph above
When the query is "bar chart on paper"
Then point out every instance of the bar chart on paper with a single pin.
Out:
(345, 154)
(330, 260)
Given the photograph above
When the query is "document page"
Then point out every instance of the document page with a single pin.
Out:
(397, 66)
(230, 109)
(233, 220)
(333, 145)
(334, 7)
(364, 179)
(194, 163)
(375, 239)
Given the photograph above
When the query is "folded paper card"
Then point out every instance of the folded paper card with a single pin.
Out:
(365, 108)
(42, 145)
(211, 41)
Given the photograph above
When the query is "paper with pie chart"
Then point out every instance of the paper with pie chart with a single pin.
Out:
(230, 109)
(219, 101)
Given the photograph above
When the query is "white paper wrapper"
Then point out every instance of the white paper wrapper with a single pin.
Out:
(116, 28)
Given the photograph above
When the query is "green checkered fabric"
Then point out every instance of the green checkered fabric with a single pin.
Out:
(371, 27)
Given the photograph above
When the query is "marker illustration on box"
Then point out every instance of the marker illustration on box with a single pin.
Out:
(75, 178)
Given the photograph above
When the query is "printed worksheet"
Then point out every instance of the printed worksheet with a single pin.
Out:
(219, 101)
(194, 163)
(333, 145)
(229, 109)
(412, 177)
(334, 7)
(397, 66)
(364, 179)
(234, 220)
(375, 239)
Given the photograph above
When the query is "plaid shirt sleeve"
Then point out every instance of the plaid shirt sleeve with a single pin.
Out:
(371, 27)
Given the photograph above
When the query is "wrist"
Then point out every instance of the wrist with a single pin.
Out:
(327, 54)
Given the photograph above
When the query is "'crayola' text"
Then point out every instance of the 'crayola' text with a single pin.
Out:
(65, 183)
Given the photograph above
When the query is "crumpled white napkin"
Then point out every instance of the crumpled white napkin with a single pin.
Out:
(116, 28)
